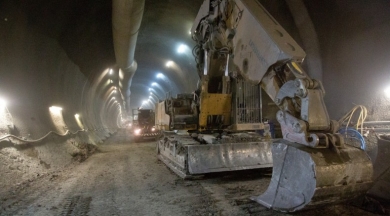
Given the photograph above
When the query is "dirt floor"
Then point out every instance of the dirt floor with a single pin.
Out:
(126, 178)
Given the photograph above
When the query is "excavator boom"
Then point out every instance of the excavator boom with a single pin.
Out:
(311, 164)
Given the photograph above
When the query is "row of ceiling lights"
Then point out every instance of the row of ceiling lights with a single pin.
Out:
(182, 48)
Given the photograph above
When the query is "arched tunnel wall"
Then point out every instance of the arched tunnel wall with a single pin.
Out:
(35, 74)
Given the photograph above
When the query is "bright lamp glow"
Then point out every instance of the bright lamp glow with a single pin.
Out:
(387, 92)
(154, 84)
(137, 131)
(169, 63)
(110, 72)
(182, 48)
(55, 109)
(77, 115)
(160, 75)
(144, 102)
(3, 103)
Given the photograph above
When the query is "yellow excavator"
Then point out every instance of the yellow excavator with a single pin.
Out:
(244, 57)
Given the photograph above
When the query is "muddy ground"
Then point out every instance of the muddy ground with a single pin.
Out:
(126, 178)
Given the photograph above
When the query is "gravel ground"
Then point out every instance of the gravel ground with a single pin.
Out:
(126, 178)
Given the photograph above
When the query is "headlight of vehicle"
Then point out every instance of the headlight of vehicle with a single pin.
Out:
(137, 131)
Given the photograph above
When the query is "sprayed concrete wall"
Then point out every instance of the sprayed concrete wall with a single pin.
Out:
(354, 39)
(35, 74)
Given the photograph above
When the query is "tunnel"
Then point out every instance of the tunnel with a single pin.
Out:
(72, 72)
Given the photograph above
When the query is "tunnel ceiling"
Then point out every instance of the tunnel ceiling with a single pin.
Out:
(84, 30)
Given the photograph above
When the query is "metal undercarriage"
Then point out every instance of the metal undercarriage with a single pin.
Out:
(187, 157)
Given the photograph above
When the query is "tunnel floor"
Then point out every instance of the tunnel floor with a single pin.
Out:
(126, 178)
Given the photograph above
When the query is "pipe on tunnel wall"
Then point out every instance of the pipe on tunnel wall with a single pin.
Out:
(308, 36)
(126, 21)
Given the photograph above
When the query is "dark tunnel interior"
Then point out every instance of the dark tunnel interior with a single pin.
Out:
(61, 83)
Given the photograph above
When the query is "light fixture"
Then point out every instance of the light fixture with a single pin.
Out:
(144, 102)
(77, 115)
(55, 109)
(169, 63)
(150, 89)
(110, 72)
(160, 75)
(154, 84)
(387, 92)
(3, 103)
(182, 48)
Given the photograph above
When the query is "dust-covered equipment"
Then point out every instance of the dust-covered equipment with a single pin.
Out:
(144, 125)
(241, 47)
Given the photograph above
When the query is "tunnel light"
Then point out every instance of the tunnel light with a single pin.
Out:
(55, 109)
(160, 76)
(77, 115)
(150, 89)
(114, 98)
(387, 92)
(144, 102)
(3, 103)
(169, 63)
(182, 48)
(110, 72)
(154, 84)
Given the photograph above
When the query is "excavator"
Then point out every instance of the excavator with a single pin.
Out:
(242, 53)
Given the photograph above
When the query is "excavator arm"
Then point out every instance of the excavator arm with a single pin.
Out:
(311, 163)
(242, 37)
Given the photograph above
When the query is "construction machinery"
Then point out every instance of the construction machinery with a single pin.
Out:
(144, 125)
(242, 52)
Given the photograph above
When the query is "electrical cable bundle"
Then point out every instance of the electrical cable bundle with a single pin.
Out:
(351, 132)
(348, 117)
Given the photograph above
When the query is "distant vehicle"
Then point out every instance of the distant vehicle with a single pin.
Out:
(144, 125)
